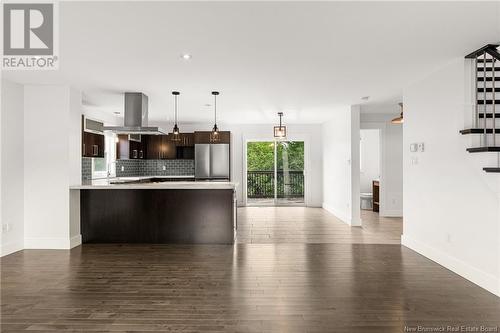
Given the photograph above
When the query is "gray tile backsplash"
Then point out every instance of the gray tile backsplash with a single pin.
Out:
(86, 168)
(132, 168)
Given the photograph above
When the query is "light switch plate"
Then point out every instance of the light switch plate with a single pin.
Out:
(413, 147)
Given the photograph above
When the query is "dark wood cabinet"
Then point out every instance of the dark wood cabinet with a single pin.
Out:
(186, 140)
(92, 145)
(206, 137)
(127, 148)
(184, 146)
(122, 147)
(153, 147)
(160, 147)
(138, 148)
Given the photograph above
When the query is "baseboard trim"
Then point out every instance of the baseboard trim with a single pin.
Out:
(338, 214)
(11, 247)
(484, 280)
(75, 241)
(42, 243)
(391, 213)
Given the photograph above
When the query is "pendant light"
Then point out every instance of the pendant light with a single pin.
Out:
(214, 136)
(400, 119)
(280, 131)
(175, 132)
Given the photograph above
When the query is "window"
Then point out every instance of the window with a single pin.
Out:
(102, 167)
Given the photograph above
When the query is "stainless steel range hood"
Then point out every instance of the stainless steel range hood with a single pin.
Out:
(136, 117)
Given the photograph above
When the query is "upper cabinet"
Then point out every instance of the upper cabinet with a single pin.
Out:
(122, 147)
(92, 145)
(131, 147)
(92, 139)
(160, 147)
(137, 146)
(206, 137)
(186, 140)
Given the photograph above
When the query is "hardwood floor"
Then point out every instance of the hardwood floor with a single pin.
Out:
(281, 287)
(313, 225)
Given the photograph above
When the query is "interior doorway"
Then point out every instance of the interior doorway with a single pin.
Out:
(275, 173)
(370, 169)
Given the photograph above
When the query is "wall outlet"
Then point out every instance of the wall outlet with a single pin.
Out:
(122, 168)
(164, 167)
(5, 227)
(421, 147)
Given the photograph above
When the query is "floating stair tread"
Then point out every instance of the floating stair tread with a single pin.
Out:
(488, 101)
(478, 131)
(488, 89)
(489, 115)
(484, 149)
(488, 69)
(488, 78)
(492, 170)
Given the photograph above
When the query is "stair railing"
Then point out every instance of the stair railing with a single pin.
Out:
(481, 60)
(485, 135)
(487, 54)
(493, 101)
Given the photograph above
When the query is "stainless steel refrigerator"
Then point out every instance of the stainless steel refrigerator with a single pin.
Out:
(211, 161)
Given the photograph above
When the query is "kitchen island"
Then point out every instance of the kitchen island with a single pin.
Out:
(155, 210)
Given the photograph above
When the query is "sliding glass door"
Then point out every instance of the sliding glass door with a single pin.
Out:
(275, 173)
(289, 172)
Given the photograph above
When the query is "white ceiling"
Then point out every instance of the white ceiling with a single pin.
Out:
(305, 59)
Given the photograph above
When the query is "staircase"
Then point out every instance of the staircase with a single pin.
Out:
(486, 67)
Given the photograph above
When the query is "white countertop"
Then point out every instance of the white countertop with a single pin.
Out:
(105, 183)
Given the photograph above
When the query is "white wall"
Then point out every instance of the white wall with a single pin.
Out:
(12, 180)
(391, 154)
(51, 154)
(341, 165)
(370, 158)
(451, 205)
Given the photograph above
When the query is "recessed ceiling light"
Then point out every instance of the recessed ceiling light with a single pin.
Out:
(186, 56)
(365, 98)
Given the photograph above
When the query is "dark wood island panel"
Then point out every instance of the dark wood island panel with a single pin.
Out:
(157, 216)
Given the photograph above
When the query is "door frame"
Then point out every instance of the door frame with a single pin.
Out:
(264, 138)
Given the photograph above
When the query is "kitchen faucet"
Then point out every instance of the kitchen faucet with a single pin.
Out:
(109, 168)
